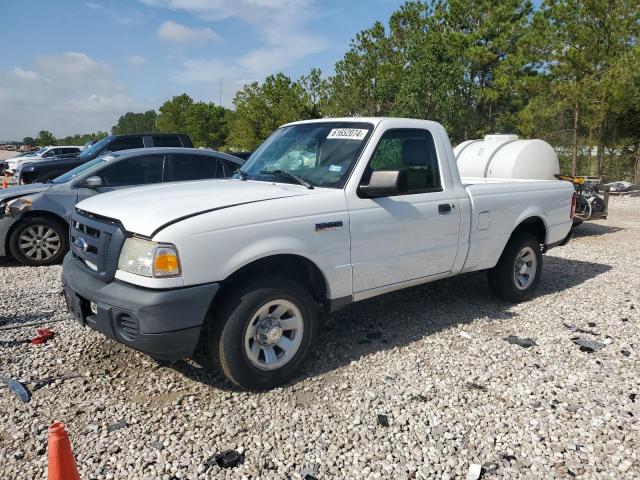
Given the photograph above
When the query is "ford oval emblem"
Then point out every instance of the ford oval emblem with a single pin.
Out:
(81, 243)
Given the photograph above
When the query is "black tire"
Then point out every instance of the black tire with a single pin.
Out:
(502, 278)
(229, 321)
(22, 227)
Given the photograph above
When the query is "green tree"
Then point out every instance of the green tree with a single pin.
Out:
(28, 141)
(206, 123)
(261, 108)
(45, 138)
(136, 123)
(173, 114)
(456, 62)
(587, 55)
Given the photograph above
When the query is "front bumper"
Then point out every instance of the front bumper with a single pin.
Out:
(5, 225)
(165, 324)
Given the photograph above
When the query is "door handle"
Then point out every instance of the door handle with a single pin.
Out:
(444, 208)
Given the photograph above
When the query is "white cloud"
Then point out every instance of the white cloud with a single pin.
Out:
(65, 93)
(281, 25)
(136, 60)
(178, 33)
(25, 74)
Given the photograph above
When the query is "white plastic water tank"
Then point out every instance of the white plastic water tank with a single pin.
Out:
(505, 156)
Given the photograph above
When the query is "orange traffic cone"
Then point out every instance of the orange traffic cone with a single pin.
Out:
(62, 466)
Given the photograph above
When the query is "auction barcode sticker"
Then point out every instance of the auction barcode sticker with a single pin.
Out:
(348, 133)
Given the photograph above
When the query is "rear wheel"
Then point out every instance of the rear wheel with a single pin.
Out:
(39, 241)
(517, 273)
(261, 332)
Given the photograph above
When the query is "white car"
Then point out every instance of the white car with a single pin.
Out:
(325, 213)
(44, 153)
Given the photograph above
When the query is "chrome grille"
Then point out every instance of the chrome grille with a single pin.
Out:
(95, 243)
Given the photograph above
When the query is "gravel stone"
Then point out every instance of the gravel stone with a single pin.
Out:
(433, 363)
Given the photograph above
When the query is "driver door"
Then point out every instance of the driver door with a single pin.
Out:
(404, 237)
(128, 172)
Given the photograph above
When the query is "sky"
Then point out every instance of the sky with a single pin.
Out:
(74, 66)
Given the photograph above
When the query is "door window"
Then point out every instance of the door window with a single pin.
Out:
(133, 171)
(166, 141)
(412, 151)
(126, 144)
(195, 167)
(229, 167)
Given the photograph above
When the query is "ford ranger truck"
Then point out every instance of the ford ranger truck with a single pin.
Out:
(325, 213)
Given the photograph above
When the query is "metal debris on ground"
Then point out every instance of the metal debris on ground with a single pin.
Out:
(474, 472)
(476, 386)
(42, 335)
(117, 426)
(309, 472)
(383, 420)
(12, 343)
(588, 346)
(464, 334)
(523, 342)
(31, 324)
(576, 329)
(226, 459)
(489, 468)
(17, 388)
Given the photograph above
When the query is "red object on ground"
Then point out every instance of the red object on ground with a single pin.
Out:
(61, 464)
(42, 335)
(4, 182)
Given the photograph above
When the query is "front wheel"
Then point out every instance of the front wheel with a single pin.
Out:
(262, 331)
(39, 241)
(517, 273)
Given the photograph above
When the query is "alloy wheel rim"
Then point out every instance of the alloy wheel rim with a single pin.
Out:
(525, 267)
(274, 335)
(39, 242)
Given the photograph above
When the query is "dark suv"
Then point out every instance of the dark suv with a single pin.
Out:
(45, 170)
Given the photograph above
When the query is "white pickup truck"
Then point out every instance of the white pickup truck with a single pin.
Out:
(324, 213)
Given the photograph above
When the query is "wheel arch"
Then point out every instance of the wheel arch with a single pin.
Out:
(32, 214)
(533, 224)
(288, 265)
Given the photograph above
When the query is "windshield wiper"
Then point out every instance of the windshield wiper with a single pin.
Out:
(293, 176)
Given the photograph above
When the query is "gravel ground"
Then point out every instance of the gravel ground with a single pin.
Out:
(416, 384)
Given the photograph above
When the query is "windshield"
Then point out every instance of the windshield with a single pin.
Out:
(320, 153)
(94, 149)
(71, 174)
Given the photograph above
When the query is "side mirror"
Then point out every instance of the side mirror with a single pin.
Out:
(384, 183)
(93, 182)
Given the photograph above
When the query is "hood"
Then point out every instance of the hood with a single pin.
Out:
(22, 159)
(144, 210)
(21, 190)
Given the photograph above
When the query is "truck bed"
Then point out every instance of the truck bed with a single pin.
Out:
(499, 204)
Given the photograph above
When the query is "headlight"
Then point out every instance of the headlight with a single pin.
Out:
(149, 259)
(18, 206)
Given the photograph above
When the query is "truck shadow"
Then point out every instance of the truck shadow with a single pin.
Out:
(401, 318)
(589, 229)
